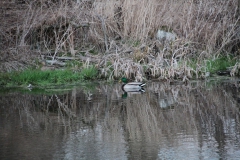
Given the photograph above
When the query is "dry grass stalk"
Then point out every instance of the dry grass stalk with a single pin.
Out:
(235, 70)
(205, 26)
(201, 23)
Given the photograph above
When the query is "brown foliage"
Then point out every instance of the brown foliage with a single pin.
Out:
(54, 27)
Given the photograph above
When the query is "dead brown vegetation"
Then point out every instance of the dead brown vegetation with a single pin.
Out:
(55, 28)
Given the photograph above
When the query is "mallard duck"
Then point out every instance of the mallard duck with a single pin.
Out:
(132, 86)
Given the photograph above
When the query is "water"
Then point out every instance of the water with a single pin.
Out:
(98, 122)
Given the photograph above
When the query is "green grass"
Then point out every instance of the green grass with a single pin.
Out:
(44, 78)
(89, 73)
(212, 65)
(221, 63)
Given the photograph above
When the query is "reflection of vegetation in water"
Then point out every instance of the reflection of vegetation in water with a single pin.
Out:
(91, 86)
(50, 90)
(34, 91)
(192, 110)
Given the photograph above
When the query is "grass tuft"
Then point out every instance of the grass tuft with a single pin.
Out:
(218, 64)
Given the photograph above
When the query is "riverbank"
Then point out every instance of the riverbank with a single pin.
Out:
(115, 69)
(138, 40)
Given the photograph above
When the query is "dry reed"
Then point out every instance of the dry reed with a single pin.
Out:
(203, 29)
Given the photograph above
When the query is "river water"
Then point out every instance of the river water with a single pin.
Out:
(97, 121)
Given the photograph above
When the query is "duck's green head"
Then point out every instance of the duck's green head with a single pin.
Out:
(124, 80)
